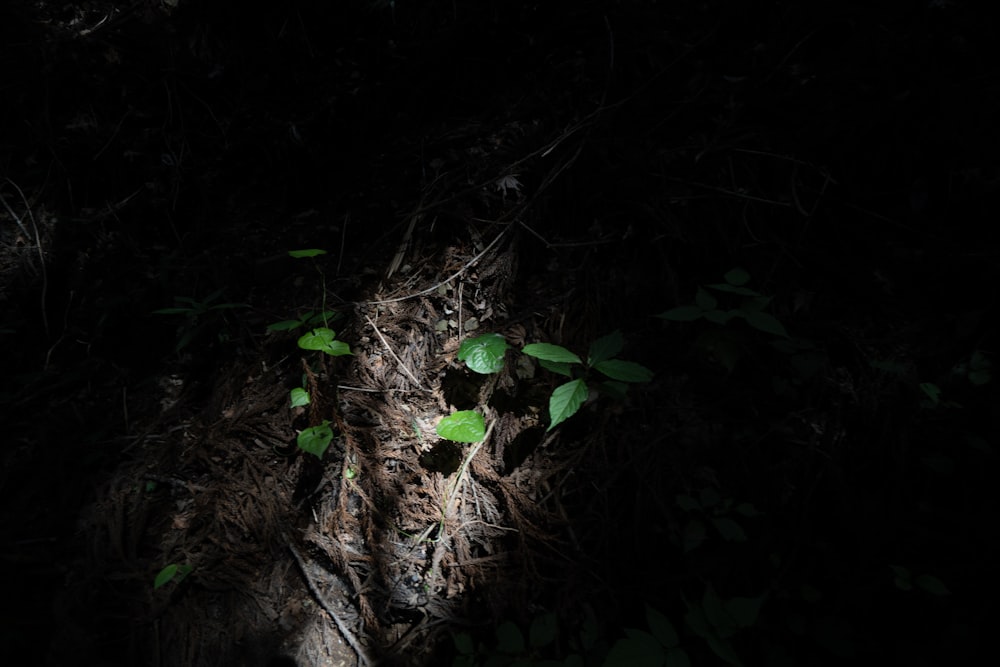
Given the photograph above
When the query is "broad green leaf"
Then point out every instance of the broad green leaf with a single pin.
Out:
(639, 649)
(549, 352)
(605, 347)
(483, 354)
(682, 314)
(462, 426)
(737, 277)
(687, 503)
(315, 319)
(626, 371)
(557, 367)
(747, 510)
(704, 300)
(565, 401)
(285, 325)
(695, 619)
(310, 252)
(661, 627)
(323, 339)
(755, 304)
(766, 323)
(544, 629)
(729, 529)
(299, 397)
(931, 584)
(509, 639)
(744, 610)
(315, 439)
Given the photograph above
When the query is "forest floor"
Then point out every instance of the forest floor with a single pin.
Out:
(776, 213)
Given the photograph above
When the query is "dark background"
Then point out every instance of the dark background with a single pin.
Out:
(843, 154)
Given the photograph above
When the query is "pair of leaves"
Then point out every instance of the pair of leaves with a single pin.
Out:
(310, 319)
(325, 340)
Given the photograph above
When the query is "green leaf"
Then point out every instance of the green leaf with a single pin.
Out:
(605, 347)
(682, 314)
(170, 573)
(315, 439)
(483, 354)
(323, 339)
(509, 639)
(565, 401)
(311, 252)
(165, 576)
(766, 323)
(755, 304)
(549, 352)
(662, 628)
(729, 529)
(544, 629)
(687, 503)
(557, 367)
(744, 610)
(704, 299)
(639, 649)
(462, 426)
(299, 397)
(931, 584)
(285, 325)
(626, 371)
(737, 277)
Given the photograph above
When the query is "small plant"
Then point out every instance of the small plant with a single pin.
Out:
(567, 398)
(724, 346)
(195, 314)
(172, 572)
(319, 338)
(906, 580)
(485, 354)
(718, 511)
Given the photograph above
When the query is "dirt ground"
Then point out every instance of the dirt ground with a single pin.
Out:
(776, 212)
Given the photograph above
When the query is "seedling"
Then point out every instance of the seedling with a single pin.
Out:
(567, 398)
(319, 338)
(194, 312)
